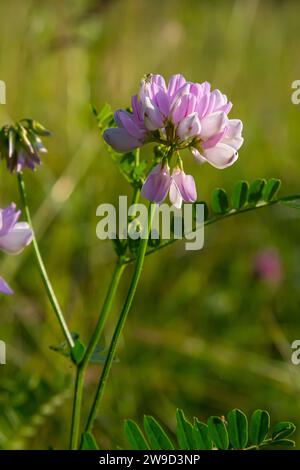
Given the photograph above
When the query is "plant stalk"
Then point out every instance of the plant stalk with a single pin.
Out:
(41, 266)
(120, 324)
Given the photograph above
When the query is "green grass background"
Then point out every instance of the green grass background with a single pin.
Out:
(203, 333)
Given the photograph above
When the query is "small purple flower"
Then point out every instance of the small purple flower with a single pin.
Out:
(180, 115)
(159, 183)
(268, 267)
(14, 236)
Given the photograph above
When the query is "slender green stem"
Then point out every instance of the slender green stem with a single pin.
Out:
(120, 266)
(120, 324)
(46, 281)
(75, 424)
(81, 368)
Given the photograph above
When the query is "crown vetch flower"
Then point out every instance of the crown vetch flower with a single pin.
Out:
(160, 182)
(179, 115)
(14, 236)
(21, 144)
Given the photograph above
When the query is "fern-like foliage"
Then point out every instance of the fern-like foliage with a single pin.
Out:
(230, 433)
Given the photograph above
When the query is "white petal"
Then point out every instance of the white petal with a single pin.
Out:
(212, 124)
(197, 155)
(15, 240)
(175, 196)
(221, 156)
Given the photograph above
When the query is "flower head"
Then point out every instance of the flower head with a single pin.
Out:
(14, 236)
(179, 115)
(21, 144)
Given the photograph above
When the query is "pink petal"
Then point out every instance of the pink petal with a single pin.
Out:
(189, 127)
(8, 218)
(126, 120)
(186, 185)
(221, 156)
(233, 135)
(212, 124)
(153, 118)
(4, 287)
(137, 108)
(175, 196)
(212, 141)
(16, 239)
(175, 82)
(157, 184)
(197, 155)
(120, 140)
(163, 102)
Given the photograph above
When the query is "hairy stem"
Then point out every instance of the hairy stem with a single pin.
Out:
(120, 324)
(41, 266)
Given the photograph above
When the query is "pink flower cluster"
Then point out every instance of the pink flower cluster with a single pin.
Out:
(14, 236)
(179, 115)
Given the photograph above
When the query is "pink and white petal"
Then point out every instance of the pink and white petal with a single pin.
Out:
(190, 126)
(137, 108)
(214, 140)
(197, 155)
(4, 287)
(220, 99)
(212, 124)
(159, 80)
(175, 196)
(226, 108)
(153, 118)
(120, 140)
(126, 120)
(163, 102)
(221, 156)
(233, 135)
(157, 184)
(202, 105)
(175, 82)
(186, 185)
(180, 109)
(16, 240)
(205, 87)
(8, 218)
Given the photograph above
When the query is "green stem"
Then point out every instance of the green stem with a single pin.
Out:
(75, 424)
(120, 266)
(81, 368)
(46, 281)
(120, 325)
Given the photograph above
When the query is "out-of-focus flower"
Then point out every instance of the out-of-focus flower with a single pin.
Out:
(179, 115)
(268, 267)
(14, 236)
(21, 144)
(160, 182)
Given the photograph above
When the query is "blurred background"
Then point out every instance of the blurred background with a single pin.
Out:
(208, 330)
